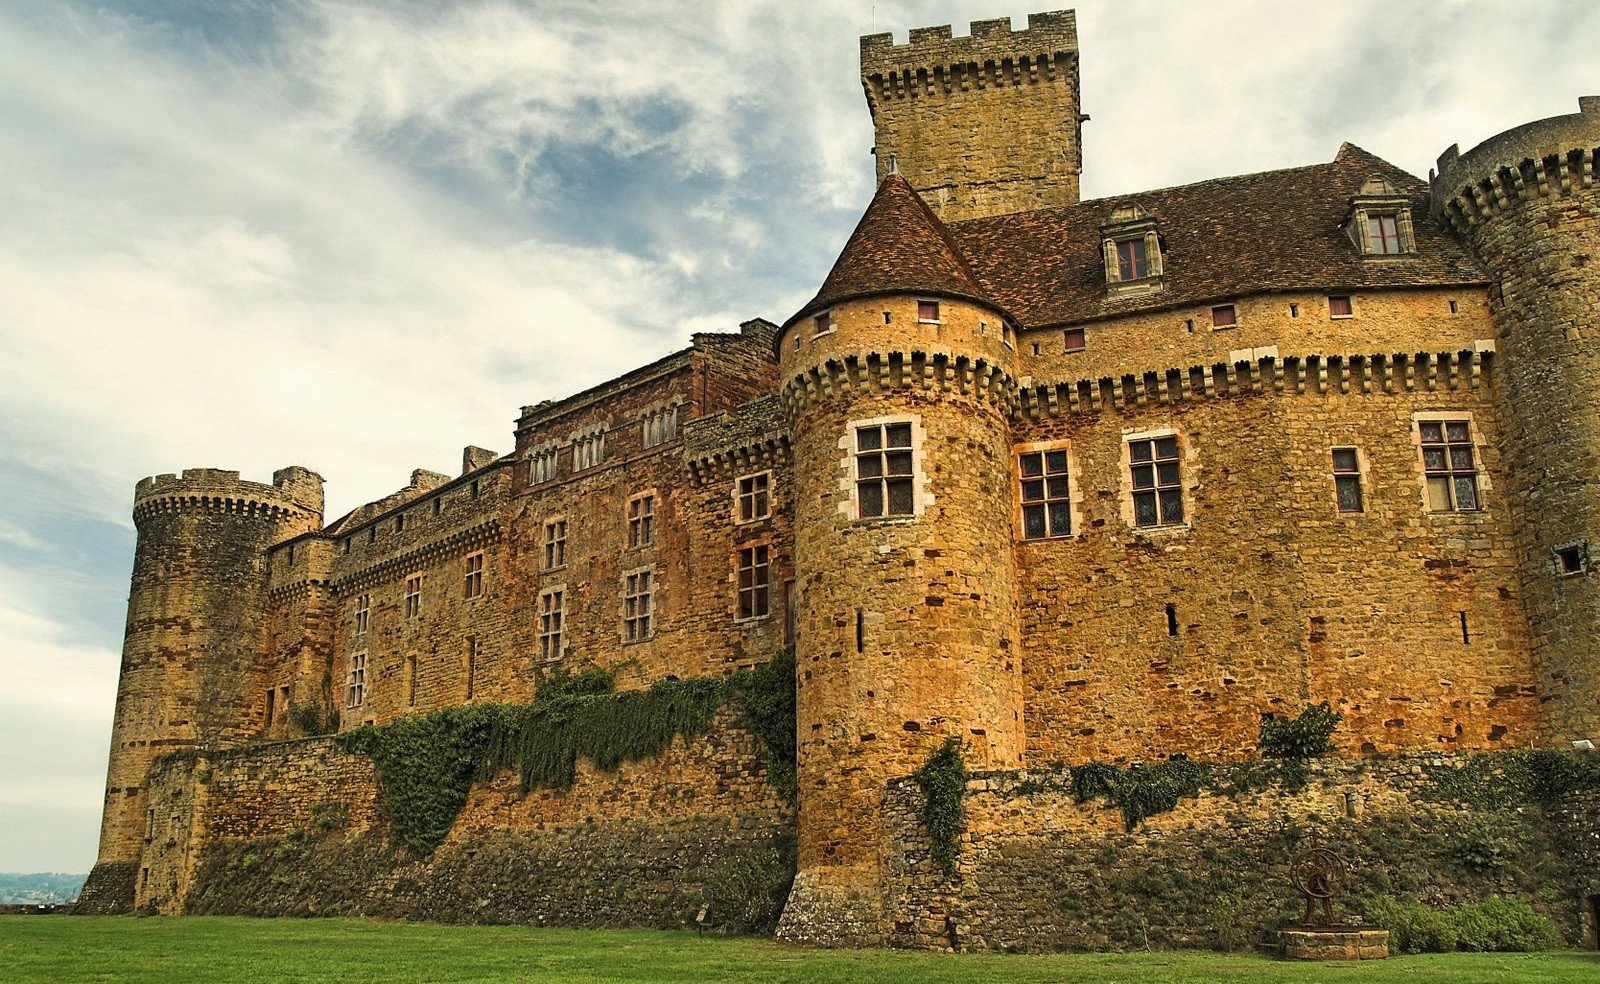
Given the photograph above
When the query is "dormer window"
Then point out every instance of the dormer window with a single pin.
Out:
(1132, 249)
(1379, 221)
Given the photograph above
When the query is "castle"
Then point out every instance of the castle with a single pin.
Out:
(1067, 481)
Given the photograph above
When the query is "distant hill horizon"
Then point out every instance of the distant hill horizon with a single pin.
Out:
(39, 887)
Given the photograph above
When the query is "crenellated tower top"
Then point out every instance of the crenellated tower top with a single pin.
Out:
(294, 492)
(986, 124)
(1545, 158)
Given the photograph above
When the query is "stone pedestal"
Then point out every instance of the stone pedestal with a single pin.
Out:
(1334, 943)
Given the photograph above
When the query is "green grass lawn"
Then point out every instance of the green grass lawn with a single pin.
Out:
(60, 949)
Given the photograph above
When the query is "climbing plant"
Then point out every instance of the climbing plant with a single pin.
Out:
(1308, 736)
(943, 779)
(428, 763)
(1140, 791)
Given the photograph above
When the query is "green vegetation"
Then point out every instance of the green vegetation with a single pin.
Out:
(318, 716)
(943, 779)
(1308, 736)
(35, 950)
(1494, 780)
(1495, 924)
(428, 763)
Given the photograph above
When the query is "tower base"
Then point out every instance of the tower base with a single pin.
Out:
(109, 890)
(834, 908)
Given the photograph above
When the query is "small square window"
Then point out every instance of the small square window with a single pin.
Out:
(1224, 316)
(928, 312)
(1339, 306)
(1075, 339)
(822, 323)
(1572, 559)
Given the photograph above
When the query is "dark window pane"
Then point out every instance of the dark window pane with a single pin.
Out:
(1144, 509)
(1167, 447)
(1139, 450)
(1056, 462)
(760, 605)
(1432, 432)
(1060, 520)
(747, 577)
(900, 497)
(1466, 492)
(1033, 521)
(1033, 490)
(1433, 459)
(1167, 473)
(869, 438)
(899, 435)
(1075, 340)
(1461, 458)
(899, 462)
(871, 497)
(1349, 487)
(1058, 488)
(1172, 507)
(1456, 431)
(1344, 459)
(1032, 464)
(927, 310)
(869, 465)
(1339, 307)
(1143, 477)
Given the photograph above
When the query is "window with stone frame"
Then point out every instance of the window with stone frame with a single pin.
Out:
(754, 497)
(541, 465)
(1340, 306)
(588, 449)
(355, 690)
(363, 613)
(1224, 316)
(1157, 477)
(1046, 493)
(1132, 248)
(885, 470)
(755, 581)
(1347, 480)
(1379, 220)
(552, 623)
(474, 575)
(555, 543)
(821, 323)
(1132, 262)
(660, 426)
(1450, 462)
(413, 595)
(641, 520)
(1075, 340)
(638, 605)
(928, 312)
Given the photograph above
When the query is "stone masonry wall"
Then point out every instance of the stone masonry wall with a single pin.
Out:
(1039, 871)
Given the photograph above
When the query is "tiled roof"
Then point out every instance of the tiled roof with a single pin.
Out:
(1278, 230)
(898, 247)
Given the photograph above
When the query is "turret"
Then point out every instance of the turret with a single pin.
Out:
(897, 387)
(195, 636)
(1528, 204)
(987, 124)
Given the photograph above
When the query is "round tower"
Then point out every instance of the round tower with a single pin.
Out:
(1527, 202)
(196, 628)
(898, 384)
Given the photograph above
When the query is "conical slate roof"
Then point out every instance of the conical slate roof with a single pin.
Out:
(898, 247)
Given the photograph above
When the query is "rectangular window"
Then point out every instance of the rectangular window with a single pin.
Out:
(754, 502)
(474, 575)
(355, 691)
(755, 581)
(588, 450)
(1046, 502)
(1224, 316)
(884, 483)
(1075, 340)
(414, 596)
(1347, 480)
(1450, 464)
(400, 523)
(363, 613)
(638, 606)
(541, 466)
(1157, 482)
(641, 520)
(552, 616)
(928, 311)
(1132, 264)
(470, 665)
(822, 323)
(1339, 306)
(1384, 234)
(272, 705)
(411, 681)
(555, 544)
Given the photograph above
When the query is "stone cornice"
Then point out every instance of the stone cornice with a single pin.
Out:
(458, 542)
(849, 373)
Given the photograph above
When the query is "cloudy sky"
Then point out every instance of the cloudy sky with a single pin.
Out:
(361, 235)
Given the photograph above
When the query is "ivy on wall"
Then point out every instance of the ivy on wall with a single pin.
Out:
(428, 763)
(943, 779)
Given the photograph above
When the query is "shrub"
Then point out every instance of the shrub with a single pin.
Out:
(1493, 925)
(329, 816)
(1230, 922)
(1308, 736)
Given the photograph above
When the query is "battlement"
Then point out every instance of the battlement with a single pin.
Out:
(1546, 157)
(935, 48)
(293, 490)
